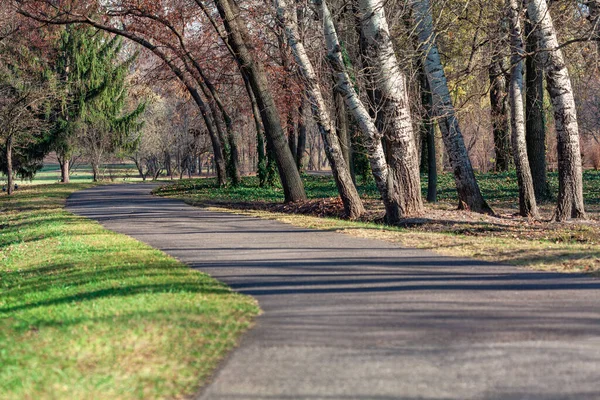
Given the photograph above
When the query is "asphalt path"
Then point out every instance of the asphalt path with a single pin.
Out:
(351, 318)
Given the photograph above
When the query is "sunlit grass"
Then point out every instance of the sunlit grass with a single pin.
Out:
(87, 313)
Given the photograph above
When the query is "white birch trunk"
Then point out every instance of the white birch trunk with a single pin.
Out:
(371, 135)
(352, 202)
(527, 203)
(390, 82)
(469, 195)
(570, 178)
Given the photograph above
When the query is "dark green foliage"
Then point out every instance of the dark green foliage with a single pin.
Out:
(24, 96)
(92, 82)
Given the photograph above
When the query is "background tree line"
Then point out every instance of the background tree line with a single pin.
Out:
(387, 89)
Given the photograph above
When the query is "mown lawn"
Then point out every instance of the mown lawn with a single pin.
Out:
(87, 313)
(507, 238)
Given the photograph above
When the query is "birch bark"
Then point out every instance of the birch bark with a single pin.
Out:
(469, 195)
(352, 203)
(527, 203)
(371, 134)
(393, 103)
(570, 174)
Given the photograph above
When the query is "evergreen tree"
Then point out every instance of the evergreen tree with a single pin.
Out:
(94, 94)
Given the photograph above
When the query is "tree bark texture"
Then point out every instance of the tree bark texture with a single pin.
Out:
(9, 165)
(499, 113)
(527, 203)
(238, 40)
(429, 138)
(372, 136)
(570, 174)
(469, 194)
(390, 82)
(535, 117)
(342, 127)
(301, 148)
(353, 206)
(64, 170)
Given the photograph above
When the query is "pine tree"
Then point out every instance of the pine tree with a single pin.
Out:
(94, 94)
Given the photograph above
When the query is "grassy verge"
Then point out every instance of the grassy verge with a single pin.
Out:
(506, 238)
(87, 313)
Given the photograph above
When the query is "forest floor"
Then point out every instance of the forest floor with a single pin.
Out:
(87, 313)
(505, 237)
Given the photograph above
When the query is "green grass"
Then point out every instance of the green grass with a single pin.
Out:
(87, 313)
(500, 188)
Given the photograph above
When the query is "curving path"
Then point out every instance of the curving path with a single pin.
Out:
(350, 318)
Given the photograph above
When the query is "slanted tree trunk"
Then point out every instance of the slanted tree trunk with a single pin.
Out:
(527, 203)
(535, 117)
(429, 136)
(469, 195)
(390, 83)
(570, 174)
(353, 206)
(9, 165)
(499, 113)
(238, 40)
(372, 136)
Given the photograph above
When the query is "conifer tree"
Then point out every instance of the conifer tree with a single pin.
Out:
(93, 76)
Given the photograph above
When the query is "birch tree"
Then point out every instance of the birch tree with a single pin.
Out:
(390, 83)
(570, 179)
(469, 194)
(352, 203)
(372, 136)
(527, 203)
(535, 116)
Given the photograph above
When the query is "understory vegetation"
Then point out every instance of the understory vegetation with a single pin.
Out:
(87, 313)
(504, 237)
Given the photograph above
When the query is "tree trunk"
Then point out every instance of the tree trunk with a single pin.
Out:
(64, 170)
(499, 113)
(341, 126)
(9, 165)
(301, 148)
(535, 117)
(229, 146)
(390, 83)
(469, 195)
(570, 175)
(292, 137)
(429, 136)
(372, 136)
(95, 171)
(353, 206)
(527, 203)
(261, 167)
(238, 40)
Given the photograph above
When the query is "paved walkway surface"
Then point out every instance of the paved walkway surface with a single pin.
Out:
(350, 318)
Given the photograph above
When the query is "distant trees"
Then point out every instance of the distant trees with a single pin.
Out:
(25, 93)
